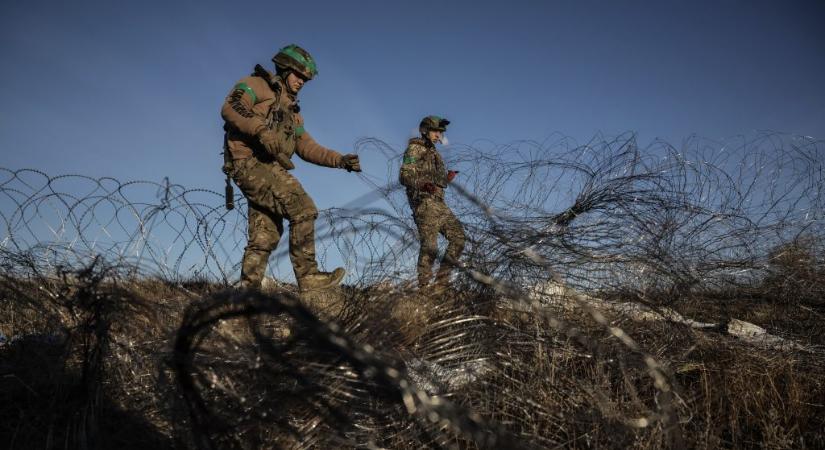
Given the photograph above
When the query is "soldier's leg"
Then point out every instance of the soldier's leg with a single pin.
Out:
(302, 247)
(274, 189)
(300, 211)
(265, 229)
(453, 231)
(427, 224)
(255, 181)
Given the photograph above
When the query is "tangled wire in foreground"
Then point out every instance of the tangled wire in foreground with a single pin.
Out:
(118, 331)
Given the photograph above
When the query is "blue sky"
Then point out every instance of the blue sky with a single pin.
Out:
(133, 90)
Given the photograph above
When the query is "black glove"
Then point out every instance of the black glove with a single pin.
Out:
(269, 140)
(351, 163)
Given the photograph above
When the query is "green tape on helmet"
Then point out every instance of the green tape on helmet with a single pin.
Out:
(297, 59)
(306, 62)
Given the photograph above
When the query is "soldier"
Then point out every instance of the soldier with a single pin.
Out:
(264, 127)
(425, 177)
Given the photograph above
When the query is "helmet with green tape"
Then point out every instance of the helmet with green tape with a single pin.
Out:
(296, 59)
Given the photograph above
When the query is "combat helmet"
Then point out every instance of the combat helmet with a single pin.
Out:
(296, 59)
(432, 123)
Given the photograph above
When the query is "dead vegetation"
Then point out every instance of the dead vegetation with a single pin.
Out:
(258, 370)
(577, 321)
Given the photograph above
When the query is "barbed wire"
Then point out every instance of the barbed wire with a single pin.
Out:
(498, 361)
(703, 211)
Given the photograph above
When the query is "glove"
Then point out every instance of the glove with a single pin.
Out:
(351, 163)
(285, 162)
(269, 140)
(451, 175)
(427, 187)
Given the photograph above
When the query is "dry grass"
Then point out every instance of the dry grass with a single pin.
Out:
(82, 380)
(129, 354)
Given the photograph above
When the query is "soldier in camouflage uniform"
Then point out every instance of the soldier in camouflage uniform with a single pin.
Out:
(264, 127)
(424, 175)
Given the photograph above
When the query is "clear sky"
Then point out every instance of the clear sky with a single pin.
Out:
(133, 90)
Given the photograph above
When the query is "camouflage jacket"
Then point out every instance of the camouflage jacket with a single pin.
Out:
(262, 101)
(422, 164)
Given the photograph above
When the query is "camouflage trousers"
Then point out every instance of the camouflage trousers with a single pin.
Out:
(432, 216)
(273, 194)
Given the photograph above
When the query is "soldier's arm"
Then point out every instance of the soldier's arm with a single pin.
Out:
(412, 170)
(237, 108)
(311, 151)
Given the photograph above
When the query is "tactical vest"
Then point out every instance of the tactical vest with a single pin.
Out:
(282, 121)
(281, 118)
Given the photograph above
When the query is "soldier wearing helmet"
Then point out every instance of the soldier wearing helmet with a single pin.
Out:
(425, 176)
(264, 128)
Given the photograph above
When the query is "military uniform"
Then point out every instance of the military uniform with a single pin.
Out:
(261, 107)
(425, 176)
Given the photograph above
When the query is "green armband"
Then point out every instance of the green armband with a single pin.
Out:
(409, 159)
(245, 87)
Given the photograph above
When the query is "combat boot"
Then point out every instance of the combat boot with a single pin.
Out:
(321, 280)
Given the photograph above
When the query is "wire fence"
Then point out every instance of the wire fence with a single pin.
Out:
(606, 213)
(519, 354)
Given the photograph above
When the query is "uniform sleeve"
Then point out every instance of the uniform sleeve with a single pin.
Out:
(237, 108)
(439, 172)
(413, 166)
(311, 151)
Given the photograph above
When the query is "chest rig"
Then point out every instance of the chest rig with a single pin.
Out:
(282, 118)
